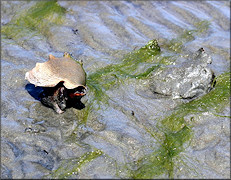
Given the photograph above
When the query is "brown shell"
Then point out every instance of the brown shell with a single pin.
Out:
(50, 73)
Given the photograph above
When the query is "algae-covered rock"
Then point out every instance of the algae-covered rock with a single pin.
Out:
(191, 79)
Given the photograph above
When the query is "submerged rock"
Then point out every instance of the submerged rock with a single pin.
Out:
(191, 79)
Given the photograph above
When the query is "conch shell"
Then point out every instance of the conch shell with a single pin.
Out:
(55, 70)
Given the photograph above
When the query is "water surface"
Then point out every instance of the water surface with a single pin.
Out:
(124, 131)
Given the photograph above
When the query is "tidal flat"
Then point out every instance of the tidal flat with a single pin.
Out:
(124, 131)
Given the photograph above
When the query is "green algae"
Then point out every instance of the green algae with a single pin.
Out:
(175, 132)
(161, 161)
(83, 115)
(71, 167)
(202, 27)
(176, 44)
(216, 100)
(37, 19)
(113, 75)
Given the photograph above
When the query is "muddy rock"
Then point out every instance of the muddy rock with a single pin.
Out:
(191, 79)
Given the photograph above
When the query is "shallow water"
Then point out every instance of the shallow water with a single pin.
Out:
(119, 131)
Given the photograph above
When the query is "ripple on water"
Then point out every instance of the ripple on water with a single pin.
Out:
(36, 141)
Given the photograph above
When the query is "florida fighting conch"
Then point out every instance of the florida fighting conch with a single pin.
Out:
(63, 81)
